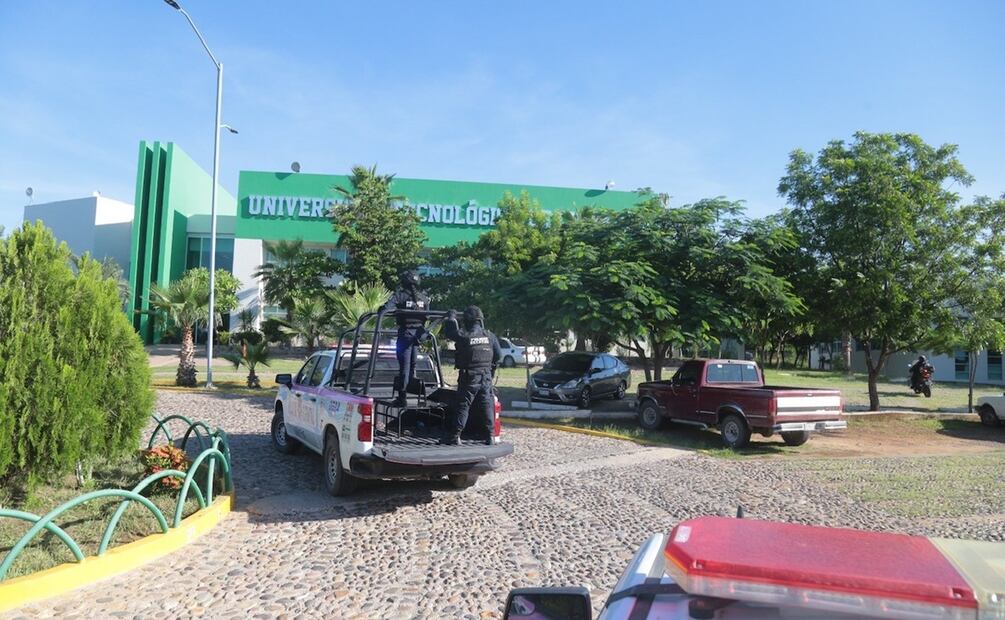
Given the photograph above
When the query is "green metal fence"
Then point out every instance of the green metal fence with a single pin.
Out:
(214, 447)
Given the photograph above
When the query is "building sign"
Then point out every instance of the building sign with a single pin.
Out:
(283, 205)
(319, 208)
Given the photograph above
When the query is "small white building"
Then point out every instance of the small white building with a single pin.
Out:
(953, 368)
(95, 224)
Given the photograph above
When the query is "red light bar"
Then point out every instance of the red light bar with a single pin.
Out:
(834, 569)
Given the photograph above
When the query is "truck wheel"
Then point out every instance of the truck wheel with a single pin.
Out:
(927, 390)
(508, 362)
(650, 417)
(280, 440)
(795, 438)
(462, 481)
(584, 398)
(338, 481)
(619, 394)
(734, 431)
(988, 417)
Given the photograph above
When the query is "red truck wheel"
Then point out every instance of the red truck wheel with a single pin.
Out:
(650, 417)
(735, 433)
(795, 438)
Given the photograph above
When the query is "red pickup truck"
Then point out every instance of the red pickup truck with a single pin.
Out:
(731, 395)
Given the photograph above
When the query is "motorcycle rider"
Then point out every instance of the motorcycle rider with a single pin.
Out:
(478, 355)
(916, 370)
(411, 329)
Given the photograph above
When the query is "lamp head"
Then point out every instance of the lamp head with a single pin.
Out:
(174, 5)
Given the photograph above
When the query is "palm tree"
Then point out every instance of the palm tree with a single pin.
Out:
(280, 281)
(185, 303)
(250, 355)
(348, 305)
(309, 321)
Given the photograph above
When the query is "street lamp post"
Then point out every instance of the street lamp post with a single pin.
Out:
(212, 209)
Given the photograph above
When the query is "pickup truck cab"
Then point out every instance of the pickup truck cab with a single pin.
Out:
(731, 395)
(340, 405)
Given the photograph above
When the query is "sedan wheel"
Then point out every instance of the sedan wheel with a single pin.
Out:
(619, 394)
(584, 398)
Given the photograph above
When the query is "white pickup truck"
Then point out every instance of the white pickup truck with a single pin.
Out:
(340, 405)
(517, 352)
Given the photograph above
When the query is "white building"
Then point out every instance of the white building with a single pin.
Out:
(98, 225)
(948, 368)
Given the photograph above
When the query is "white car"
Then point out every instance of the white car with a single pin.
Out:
(341, 405)
(992, 410)
(516, 352)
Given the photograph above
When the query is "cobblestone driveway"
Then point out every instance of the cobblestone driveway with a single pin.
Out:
(566, 509)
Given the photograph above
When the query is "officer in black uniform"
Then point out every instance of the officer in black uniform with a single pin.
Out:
(478, 354)
(410, 329)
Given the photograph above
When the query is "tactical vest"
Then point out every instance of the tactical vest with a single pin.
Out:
(406, 300)
(474, 349)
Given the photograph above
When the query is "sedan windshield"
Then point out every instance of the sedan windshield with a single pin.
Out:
(573, 362)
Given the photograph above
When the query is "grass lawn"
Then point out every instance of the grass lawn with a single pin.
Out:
(894, 395)
(511, 382)
(86, 523)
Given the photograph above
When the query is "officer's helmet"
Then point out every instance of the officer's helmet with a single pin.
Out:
(472, 316)
(410, 279)
(922, 359)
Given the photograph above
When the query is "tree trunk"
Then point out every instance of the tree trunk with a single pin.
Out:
(659, 357)
(972, 358)
(846, 352)
(875, 368)
(253, 381)
(186, 359)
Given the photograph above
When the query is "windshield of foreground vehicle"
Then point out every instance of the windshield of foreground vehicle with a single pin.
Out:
(572, 362)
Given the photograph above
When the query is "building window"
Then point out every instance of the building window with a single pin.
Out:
(994, 365)
(962, 364)
(198, 253)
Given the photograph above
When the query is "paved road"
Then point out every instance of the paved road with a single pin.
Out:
(566, 509)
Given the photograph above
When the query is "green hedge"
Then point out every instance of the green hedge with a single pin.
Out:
(74, 378)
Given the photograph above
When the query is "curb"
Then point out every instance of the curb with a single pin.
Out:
(70, 576)
(582, 431)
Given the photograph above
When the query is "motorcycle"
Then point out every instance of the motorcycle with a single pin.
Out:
(922, 384)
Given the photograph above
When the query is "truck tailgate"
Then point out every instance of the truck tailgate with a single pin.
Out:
(428, 453)
(796, 402)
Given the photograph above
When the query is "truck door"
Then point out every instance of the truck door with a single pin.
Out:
(311, 403)
(684, 392)
(301, 380)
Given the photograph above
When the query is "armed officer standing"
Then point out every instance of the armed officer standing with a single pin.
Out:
(411, 328)
(478, 354)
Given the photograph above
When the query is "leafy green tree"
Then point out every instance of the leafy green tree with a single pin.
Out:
(251, 356)
(524, 234)
(880, 217)
(295, 271)
(348, 303)
(185, 303)
(980, 302)
(379, 232)
(74, 378)
(309, 321)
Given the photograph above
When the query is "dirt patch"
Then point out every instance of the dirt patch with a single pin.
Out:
(904, 435)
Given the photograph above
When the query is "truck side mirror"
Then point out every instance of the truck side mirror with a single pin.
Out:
(567, 603)
(284, 379)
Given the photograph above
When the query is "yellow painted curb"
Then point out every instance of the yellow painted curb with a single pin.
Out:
(66, 577)
(581, 431)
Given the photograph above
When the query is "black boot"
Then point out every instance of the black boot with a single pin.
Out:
(450, 440)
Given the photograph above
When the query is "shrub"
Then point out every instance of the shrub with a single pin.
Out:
(246, 337)
(222, 337)
(273, 331)
(74, 378)
(159, 458)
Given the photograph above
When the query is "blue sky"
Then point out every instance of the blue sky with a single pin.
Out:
(695, 99)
